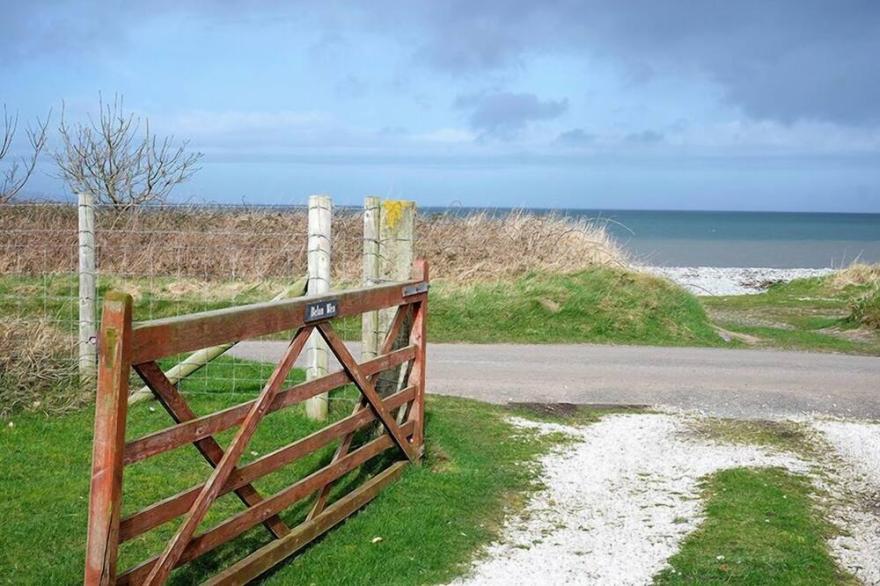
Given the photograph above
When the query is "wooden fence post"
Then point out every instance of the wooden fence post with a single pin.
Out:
(111, 407)
(88, 292)
(370, 319)
(396, 238)
(319, 251)
(396, 252)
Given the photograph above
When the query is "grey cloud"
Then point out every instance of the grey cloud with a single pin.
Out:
(644, 137)
(785, 60)
(503, 114)
(575, 137)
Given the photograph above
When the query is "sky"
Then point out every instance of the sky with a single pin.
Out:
(703, 104)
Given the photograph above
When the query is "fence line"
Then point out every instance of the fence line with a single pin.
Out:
(178, 259)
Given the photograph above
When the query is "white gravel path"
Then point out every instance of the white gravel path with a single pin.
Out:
(857, 472)
(616, 504)
(730, 280)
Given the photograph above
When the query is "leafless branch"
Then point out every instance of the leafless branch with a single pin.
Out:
(17, 171)
(120, 164)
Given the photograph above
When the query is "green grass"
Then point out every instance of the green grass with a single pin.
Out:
(788, 436)
(805, 314)
(598, 305)
(759, 529)
(477, 466)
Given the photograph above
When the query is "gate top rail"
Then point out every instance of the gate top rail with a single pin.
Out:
(163, 337)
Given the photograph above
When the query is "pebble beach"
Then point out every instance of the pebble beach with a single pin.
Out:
(731, 280)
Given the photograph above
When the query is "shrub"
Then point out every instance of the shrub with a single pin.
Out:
(37, 369)
(865, 310)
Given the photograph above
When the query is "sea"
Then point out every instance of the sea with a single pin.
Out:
(737, 239)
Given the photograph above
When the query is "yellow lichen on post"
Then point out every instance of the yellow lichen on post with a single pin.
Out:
(393, 210)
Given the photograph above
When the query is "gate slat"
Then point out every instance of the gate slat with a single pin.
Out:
(345, 444)
(168, 560)
(168, 336)
(196, 429)
(366, 387)
(174, 506)
(238, 524)
(272, 553)
(177, 407)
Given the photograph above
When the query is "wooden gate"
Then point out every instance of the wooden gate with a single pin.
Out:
(124, 346)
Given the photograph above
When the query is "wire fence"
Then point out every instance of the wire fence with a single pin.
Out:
(172, 260)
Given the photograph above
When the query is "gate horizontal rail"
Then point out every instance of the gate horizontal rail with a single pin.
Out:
(125, 345)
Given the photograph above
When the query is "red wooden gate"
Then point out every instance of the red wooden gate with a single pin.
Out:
(124, 345)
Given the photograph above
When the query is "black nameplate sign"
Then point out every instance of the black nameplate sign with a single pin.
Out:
(321, 310)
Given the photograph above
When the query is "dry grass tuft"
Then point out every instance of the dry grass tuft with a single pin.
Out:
(482, 247)
(251, 244)
(856, 274)
(36, 371)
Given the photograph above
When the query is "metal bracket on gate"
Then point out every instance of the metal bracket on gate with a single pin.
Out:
(411, 290)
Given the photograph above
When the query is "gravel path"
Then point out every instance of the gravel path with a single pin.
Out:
(618, 502)
(857, 447)
(619, 523)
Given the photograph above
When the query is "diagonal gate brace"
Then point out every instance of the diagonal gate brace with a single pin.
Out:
(345, 444)
(352, 368)
(169, 558)
(173, 402)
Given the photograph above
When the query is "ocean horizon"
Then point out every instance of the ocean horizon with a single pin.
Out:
(781, 240)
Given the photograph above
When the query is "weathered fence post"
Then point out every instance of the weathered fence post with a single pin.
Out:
(396, 231)
(105, 497)
(370, 319)
(319, 250)
(396, 252)
(87, 290)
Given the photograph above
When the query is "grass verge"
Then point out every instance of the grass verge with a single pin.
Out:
(828, 314)
(477, 466)
(596, 305)
(760, 528)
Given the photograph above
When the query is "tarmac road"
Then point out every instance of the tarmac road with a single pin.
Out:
(722, 382)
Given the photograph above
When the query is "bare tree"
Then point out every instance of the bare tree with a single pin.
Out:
(120, 165)
(19, 170)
